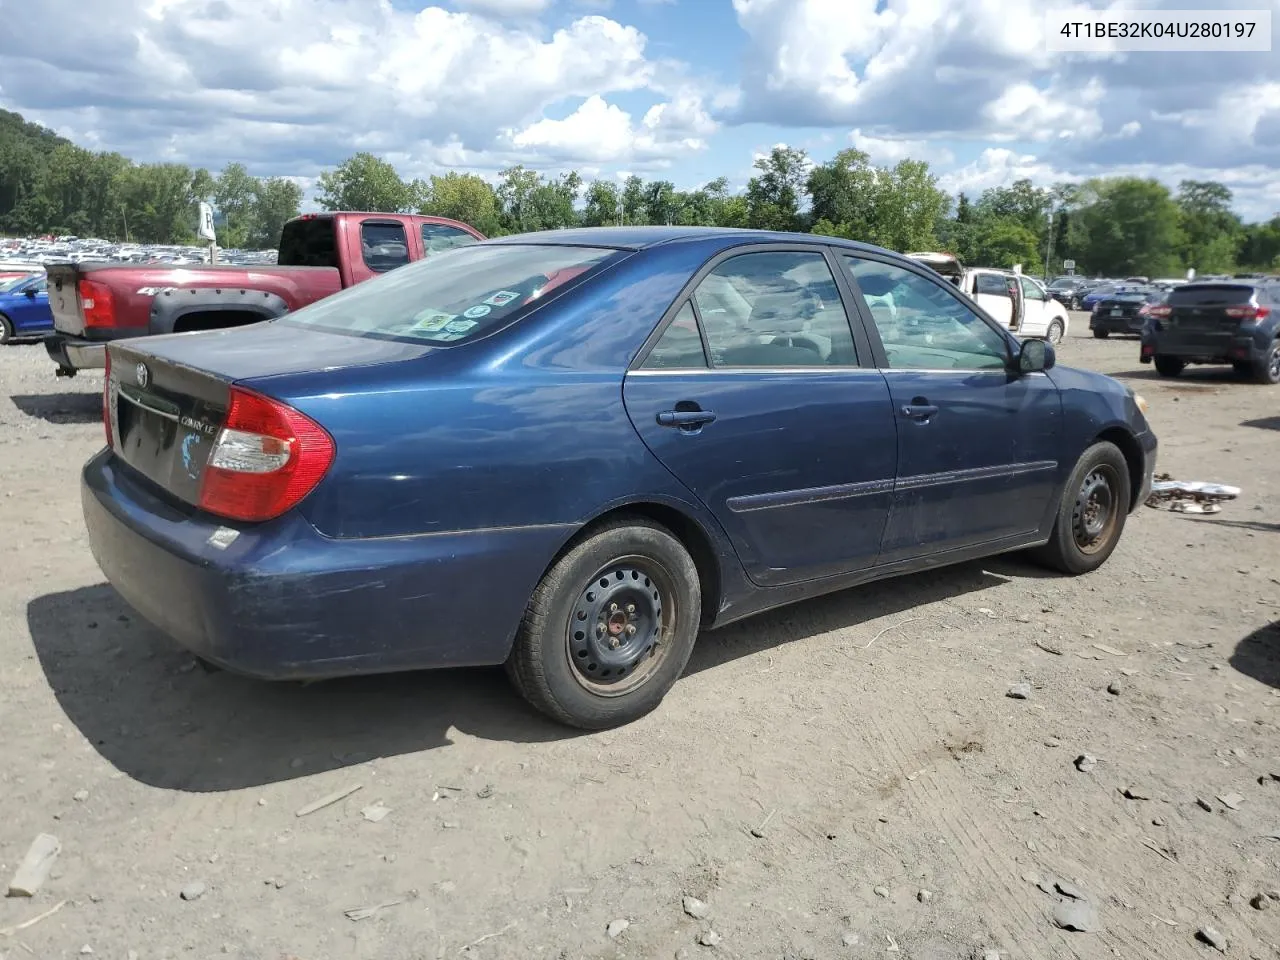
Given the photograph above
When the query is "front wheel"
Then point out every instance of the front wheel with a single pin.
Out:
(1267, 370)
(1169, 366)
(609, 628)
(1101, 334)
(1092, 512)
(6, 329)
(1054, 333)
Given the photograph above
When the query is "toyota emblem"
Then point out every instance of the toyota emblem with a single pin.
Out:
(143, 375)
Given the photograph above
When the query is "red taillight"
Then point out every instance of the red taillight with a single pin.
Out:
(267, 458)
(97, 304)
(1158, 310)
(1248, 312)
(106, 394)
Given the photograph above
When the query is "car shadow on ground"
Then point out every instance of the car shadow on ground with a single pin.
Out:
(160, 718)
(1208, 375)
(1256, 525)
(61, 407)
(1258, 655)
(1264, 423)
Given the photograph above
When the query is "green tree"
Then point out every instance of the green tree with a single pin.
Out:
(1131, 227)
(1210, 230)
(775, 193)
(602, 204)
(1260, 246)
(462, 196)
(899, 208)
(1004, 242)
(278, 200)
(364, 182)
(235, 196)
(633, 205)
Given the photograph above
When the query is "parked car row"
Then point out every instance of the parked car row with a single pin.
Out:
(24, 307)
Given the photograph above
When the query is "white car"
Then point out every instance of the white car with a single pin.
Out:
(1017, 301)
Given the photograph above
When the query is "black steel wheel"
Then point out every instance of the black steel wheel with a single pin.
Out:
(610, 627)
(1091, 512)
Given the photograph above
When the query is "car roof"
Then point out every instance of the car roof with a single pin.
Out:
(645, 237)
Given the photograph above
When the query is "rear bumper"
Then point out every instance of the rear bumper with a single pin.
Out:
(283, 602)
(72, 354)
(1206, 349)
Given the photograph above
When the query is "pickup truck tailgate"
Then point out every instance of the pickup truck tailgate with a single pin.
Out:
(64, 298)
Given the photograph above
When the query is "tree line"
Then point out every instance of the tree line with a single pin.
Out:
(1107, 225)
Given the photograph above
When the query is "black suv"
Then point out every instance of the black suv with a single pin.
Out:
(1235, 322)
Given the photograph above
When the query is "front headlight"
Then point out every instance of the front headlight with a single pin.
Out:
(1139, 400)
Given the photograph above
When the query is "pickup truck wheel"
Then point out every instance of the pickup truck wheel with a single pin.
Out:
(1267, 369)
(1169, 366)
(609, 628)
(6, 329)
(1101, 334)
(1091, 515)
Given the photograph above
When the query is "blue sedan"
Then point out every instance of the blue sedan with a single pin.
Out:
(24, 308)
(569, 452)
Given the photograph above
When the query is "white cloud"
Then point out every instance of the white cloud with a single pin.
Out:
(887, 151)
(604, 133)
(504, 8)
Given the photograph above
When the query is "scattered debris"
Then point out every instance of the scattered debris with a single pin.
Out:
(490, 936)
(615, 928)
(1204, 805)
(327, 800)
(881, 892)
(1136, 793)
(1213, 938)
(1111, 650)
(1231, 801)
(758, 832)
(485, 792)
(80, 796)
(1019, 691)
(192, 891)
(375, 812)
(86, 950)
(364, 913)
(924, 896)
(10, 931)
(1156, 848)
(1157, 821)
(892, 626)
(709, 938)
(1085, 763)
(1115, 688)
(990, 955)
(696, 908)
(850, 940)
(1260, 901)
(1077, 916)
(1070, 890)
(1048, 646)
(35, 866)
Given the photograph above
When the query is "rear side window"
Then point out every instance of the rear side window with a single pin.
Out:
(990, 284)
(456, 295)
(384, 246)
(440, 236)
(680, 346)
(1210, 293)
(308, 243)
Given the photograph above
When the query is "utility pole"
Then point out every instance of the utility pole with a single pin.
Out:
(1048, 254)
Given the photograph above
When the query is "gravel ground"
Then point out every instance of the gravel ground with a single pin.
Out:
(844, 778)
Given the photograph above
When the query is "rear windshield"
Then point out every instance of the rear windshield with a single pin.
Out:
(1194, 295)
(1131, 295)
(308, 243)
(455, 295)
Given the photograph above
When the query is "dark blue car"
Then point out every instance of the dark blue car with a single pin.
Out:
(568, 452)
(24, 308)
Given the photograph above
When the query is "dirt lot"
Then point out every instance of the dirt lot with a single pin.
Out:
(845, 778)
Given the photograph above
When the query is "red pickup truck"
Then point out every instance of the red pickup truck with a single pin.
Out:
(319, 254)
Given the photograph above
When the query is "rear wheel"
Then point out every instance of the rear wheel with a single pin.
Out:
(1054, 333)
(1092, 512)
(6, 329)
(1267, 369)
(609, 628)
(1168, 366)
(1101, 334)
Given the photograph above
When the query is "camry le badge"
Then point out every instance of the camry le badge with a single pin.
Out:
(143, 375)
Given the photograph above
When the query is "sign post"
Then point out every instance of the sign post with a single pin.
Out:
(206, 231)
(1069, 266)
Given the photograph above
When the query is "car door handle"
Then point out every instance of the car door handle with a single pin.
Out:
(685, 418)
(919, 411)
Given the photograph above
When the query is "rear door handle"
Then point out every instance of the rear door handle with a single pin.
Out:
(919, 411)
(685, 418)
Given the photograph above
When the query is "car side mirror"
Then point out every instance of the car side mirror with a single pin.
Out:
(1035, 356)
(30, 292)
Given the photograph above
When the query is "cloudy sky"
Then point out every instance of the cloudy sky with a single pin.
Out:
(682, 89)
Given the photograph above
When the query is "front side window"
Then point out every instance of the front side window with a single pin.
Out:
(775, 309)
(930, 328)
(384, 245)
(456, 295)
(440, 236)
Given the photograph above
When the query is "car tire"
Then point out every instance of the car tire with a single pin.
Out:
(1054, 333)
(1267, 370)
(6, 329)
(634, 590)
(1101, 334)
(1091, 514)
(1168, 366)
